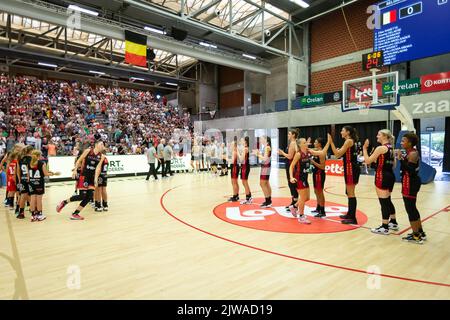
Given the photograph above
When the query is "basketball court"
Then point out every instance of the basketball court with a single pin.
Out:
(171, 244)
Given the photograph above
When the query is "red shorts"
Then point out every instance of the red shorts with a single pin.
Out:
(11, 185)
(84, 183)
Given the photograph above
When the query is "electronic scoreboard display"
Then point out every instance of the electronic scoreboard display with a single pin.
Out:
(412, 29)
(374, 60)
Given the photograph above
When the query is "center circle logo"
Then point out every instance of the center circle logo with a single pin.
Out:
(278, 219)
(428, 83)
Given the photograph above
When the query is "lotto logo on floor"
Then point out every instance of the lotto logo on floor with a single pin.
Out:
(278, 219)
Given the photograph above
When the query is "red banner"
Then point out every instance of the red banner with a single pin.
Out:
(334, 167)
(435, 82)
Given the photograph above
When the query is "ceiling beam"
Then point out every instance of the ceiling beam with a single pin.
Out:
(112, 29)
(205, 8)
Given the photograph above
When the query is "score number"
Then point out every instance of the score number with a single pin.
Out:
(374, 60)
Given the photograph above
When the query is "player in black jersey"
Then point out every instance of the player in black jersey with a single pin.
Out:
(298, 174)
(349, 153)
(88, 161)
(266, 162)
(244, 158)
(410, 161)
(37, 171)
(291, 150)
(101, 182)
(384, 178)
(319, 154)
(234, 168)
(23, 187)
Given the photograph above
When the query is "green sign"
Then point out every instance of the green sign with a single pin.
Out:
(312, 100)
(405, 86)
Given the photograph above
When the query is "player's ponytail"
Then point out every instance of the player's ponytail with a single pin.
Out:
(352, 133)
(388, 134)
(35, 156)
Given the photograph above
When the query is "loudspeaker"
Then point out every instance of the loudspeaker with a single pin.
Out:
(150, 54)
(178, 34)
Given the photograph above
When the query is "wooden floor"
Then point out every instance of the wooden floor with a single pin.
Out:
(151, 245)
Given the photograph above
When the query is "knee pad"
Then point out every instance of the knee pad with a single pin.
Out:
(411, 209)
(392, 208)
(87, 196)
(385, 208)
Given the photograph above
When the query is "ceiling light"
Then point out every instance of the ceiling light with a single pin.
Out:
(205, 44)
(96, 72)
(155, 30)
(134, 78)
(47, 64)
(171, 84)
(77, 8)
(249, 56)
(301, 3)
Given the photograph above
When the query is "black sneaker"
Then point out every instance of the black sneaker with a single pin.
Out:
(413, 238)
(20, 216)
(98, 209)
(266, 204)
(315, 211)
(349, 221)
(422, 235)
(233, 199)
(345, 216)
(319, 215)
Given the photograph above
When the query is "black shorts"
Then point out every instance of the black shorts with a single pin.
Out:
(234, 171)
(36, 190)
(245, 171)
(410, 186)
(319, 179)
(352, 176)
(86, 182)
(385, 180)
(102, 181)
(23, 187)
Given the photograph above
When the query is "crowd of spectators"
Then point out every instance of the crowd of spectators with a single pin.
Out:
(62, 118)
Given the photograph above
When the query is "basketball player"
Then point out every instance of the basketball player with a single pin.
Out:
(318, 169)
(88, 161)
(291, 150)
(224, 156)
(11, 178)
(384, 178)
(244, 158)
(208, 155)
(234, 168)
(349, 153)
(101, 182)
(265, 170)
(298, 174)
(23, 176)
(37, 173)
(196, 152)
(409, 162)
(214, 157)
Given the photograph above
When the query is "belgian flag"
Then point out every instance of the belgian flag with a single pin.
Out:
(135, 48)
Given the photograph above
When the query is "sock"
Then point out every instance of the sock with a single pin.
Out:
(33, 213)
(420, 230)
(17, 208)
(270, 199)
(97, 204)
(76, 212)
(385, 225)
(21, 210)
(318, 208)
(39, 213)
(322, 210)
(104, 204)
(352, 208)
(393, 221)
(248, 196)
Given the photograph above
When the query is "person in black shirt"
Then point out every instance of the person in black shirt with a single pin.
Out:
(37, 171)
(23, 178)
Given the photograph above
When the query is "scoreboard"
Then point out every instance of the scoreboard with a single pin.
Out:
(412, 29)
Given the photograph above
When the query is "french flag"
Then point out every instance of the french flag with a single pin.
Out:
(389, 17)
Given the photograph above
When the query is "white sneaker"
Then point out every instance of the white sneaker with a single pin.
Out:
(303, 220)
(40, 217)
(293, 211)
(105, 208)
(393, 226)
(380, 230)
(247, 201)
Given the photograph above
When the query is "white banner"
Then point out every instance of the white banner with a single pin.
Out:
(118, 164)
